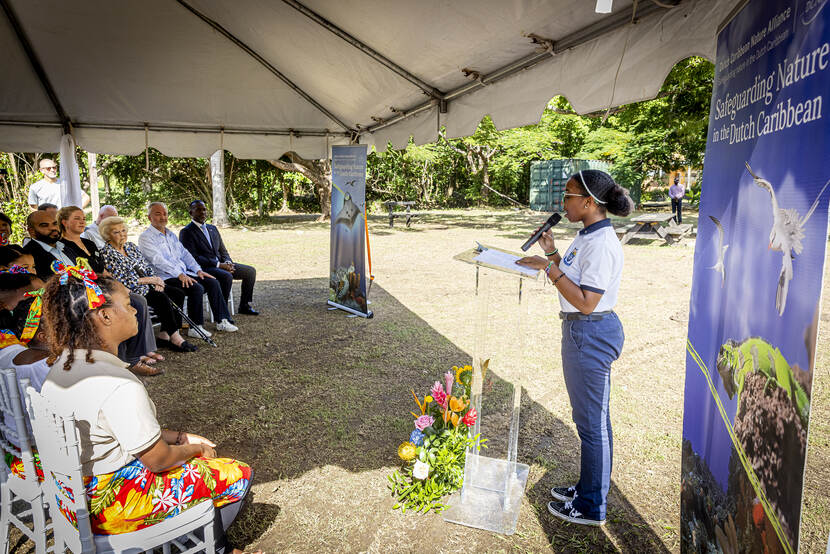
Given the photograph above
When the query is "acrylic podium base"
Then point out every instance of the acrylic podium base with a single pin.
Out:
(491, 496)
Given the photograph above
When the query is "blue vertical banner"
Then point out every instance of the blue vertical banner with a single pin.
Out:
(347, 281)
(757, 281)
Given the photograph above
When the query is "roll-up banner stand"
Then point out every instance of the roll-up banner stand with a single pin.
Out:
(347, 281)
(756, 291)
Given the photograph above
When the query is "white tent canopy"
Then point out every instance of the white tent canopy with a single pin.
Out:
(261, 77)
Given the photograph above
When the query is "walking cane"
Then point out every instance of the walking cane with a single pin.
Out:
(193, 326)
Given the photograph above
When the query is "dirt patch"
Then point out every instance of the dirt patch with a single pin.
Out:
(318, 402)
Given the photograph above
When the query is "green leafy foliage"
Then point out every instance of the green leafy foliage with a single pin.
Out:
(445, 452)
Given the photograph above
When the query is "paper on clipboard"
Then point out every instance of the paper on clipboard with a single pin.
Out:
(497, 258)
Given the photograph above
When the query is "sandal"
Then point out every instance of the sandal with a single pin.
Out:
(144, 370)
(155, 356)
(147, 360)
(163, 343)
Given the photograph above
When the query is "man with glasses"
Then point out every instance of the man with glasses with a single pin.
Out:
(48, 189)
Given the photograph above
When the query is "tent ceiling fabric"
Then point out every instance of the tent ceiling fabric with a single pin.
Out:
(118, 66)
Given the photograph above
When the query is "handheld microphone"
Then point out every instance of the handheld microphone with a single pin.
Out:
(552, 220)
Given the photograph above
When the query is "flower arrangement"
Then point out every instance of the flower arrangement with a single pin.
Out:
(437, 447)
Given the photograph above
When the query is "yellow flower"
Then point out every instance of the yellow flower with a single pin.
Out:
(228, 469)
(407, 451)
(459, 371)
(454, 419)
(457, 404)
(427, 399)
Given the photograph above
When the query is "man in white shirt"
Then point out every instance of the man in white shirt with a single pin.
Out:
(173, 263)
(91, 231)
(48, 189)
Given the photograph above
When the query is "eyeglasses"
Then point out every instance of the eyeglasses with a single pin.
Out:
(49, 168)
(567, 194)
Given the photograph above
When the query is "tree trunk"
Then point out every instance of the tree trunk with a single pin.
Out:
(92, 159)
(485, 179)
(217, 179)
(286, 191)
(317, 171)
(260, 205)
(16, 175)
(107, 188)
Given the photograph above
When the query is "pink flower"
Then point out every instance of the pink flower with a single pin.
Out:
(449, 377)
(438, 394)
(423, 422)
(470, 419)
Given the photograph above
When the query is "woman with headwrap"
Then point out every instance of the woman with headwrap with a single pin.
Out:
(136, 473)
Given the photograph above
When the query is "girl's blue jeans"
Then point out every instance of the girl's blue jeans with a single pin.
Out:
(588, 349)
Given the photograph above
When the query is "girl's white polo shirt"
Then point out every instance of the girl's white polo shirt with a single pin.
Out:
(594, 261)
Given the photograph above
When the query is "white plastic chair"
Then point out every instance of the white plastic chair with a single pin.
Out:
(12, 487)
(61, 462)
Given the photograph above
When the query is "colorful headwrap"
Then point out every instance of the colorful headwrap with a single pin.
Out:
(33, 317)
(15, 269)
(7, 338)
(94, 295)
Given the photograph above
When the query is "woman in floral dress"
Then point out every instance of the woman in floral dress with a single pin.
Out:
(136, 474)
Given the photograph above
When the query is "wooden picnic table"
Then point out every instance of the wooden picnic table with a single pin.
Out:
(408, 214)
(653, 226)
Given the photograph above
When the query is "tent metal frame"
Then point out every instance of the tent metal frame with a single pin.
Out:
(437, 98)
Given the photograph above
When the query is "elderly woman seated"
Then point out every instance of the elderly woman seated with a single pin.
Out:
(125, 262)
(135, 472)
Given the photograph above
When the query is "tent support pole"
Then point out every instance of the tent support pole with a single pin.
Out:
(265, 63)
(36, 65)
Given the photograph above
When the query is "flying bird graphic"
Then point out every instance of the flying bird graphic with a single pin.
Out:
(785, 236)
(721, 250)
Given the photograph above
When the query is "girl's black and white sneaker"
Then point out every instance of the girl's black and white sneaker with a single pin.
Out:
(566, 511)
(565, 494)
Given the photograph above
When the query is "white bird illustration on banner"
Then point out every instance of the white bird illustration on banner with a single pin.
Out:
(721, 250)
(785, 236)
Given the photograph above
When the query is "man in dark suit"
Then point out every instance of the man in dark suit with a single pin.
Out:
(204, 242)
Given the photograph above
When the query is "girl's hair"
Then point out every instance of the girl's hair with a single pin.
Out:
(7, 219)
(14, 281)
(8, 255)
(64, 214)
(601, 186)
(65, 317)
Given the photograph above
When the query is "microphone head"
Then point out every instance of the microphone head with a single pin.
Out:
(554, 219)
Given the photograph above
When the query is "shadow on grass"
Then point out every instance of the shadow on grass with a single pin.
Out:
(301, 387)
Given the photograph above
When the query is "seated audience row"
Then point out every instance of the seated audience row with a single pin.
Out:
(136, 474)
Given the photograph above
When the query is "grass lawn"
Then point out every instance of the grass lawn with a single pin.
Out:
(317, 402)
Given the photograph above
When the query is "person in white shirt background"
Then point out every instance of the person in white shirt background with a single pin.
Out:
(587, 278)
(48, 189)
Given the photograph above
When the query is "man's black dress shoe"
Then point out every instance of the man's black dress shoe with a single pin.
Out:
(247, 310)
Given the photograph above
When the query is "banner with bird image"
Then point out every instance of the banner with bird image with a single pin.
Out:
(347, 281)
(756, 290)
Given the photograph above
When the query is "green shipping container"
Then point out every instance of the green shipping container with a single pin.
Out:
(548, 178)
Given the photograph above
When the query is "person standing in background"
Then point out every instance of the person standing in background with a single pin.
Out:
(676, 192)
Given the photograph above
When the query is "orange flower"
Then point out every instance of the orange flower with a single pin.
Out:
(457, 404)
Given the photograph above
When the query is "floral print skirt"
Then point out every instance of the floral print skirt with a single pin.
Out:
(134, 497)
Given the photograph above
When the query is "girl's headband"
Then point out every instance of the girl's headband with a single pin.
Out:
(597, 200)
